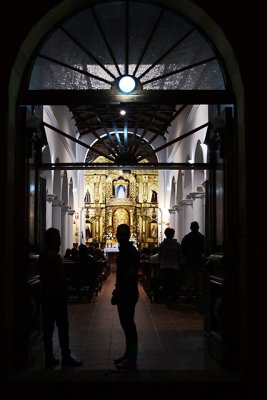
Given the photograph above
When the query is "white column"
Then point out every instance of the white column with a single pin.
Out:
(172, 220)
(81, 226)
(49, 218)
(180, 212)
(188, 214)
(64, 228)
(70, 229)
(199, 209)
(56, 214)
(179, 222)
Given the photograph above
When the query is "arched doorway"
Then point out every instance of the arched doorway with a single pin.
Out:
(105, 144)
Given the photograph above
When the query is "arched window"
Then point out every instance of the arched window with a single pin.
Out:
(86, 52)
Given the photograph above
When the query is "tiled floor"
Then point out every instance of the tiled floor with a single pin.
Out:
(172, 355)
(171, 336)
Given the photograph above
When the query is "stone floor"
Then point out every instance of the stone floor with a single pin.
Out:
(172, 351)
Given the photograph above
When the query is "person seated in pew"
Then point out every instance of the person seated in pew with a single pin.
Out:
(92, 250)
(83, 254)
(67, 254)
(74, 252)
(85, 257)
(99, 253)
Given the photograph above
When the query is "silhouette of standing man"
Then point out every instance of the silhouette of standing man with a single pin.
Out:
(125, 295)
(170, 256)
(54, 299)
(193, 251)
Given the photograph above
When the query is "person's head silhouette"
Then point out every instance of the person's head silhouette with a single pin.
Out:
(52, 239)
(169, 233)
(123, 233)
(194, 226)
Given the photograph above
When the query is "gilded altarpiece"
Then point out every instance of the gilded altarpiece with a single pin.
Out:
(113, 197)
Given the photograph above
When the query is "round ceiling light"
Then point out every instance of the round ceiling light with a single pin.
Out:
(127, 84)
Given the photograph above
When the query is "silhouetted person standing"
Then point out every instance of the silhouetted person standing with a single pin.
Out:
(170, 257)
(54, 298)
(126, 294)
(193, 252)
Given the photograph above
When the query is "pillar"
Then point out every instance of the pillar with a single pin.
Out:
(180, 222)
(70, 229)
(56, 213)
(64, 228)
(199, 209)
(49, 217)
(187, 205)
(172, 220)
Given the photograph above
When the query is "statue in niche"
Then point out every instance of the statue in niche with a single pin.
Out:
(121, 192)
(154, 197)
(87, 197)
(154, 232)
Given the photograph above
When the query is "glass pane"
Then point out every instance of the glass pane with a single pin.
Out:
(146, 16)
(112, 20)
(47, 75)
(204, 77)
(171, 29)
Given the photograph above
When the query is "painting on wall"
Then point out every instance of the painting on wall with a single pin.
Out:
(153, 230)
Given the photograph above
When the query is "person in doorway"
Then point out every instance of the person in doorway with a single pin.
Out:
(193, 254)
(54, 301)
(170, 256)
(125, 295)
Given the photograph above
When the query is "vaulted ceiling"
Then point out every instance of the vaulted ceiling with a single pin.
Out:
(127, 131)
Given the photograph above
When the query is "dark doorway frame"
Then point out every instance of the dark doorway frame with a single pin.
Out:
(18, 160)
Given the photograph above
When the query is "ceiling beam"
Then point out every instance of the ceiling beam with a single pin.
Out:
(111, 166)
(171, 142)
(100, 153)
(82, 97)
(97, 136)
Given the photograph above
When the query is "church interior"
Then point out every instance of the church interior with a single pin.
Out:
(139, 126)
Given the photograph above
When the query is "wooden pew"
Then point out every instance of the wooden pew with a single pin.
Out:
(150, 279)
(83, 279)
